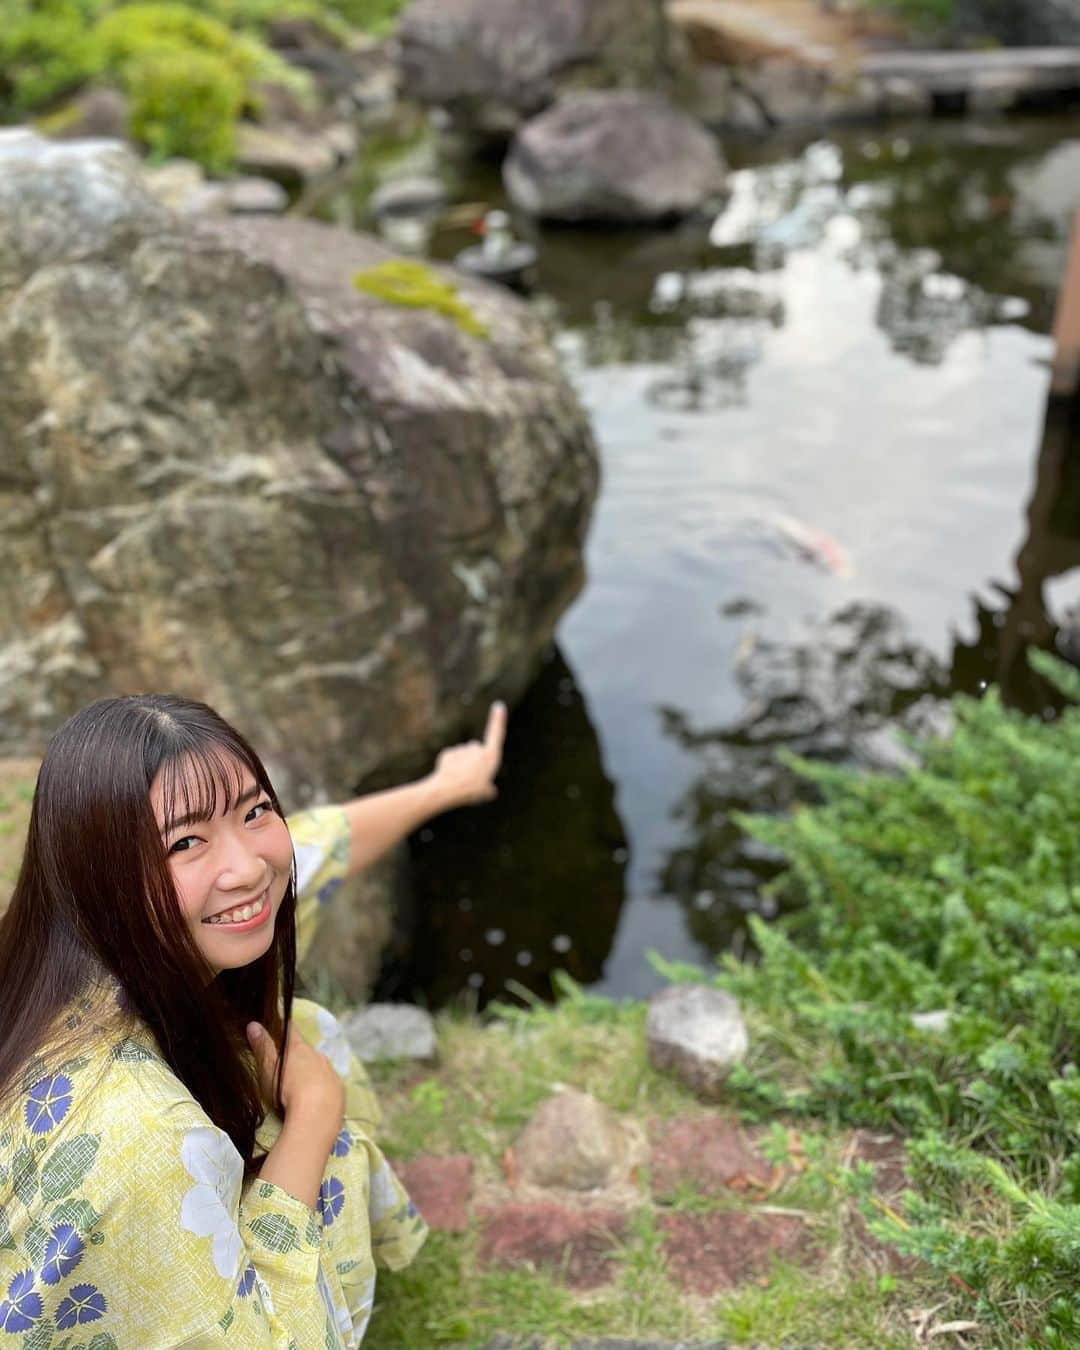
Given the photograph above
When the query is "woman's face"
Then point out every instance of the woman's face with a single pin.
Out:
(230, 872)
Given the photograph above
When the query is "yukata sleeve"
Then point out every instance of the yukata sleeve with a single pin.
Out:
(213, 1268)
(321, 847)
(395, 1227)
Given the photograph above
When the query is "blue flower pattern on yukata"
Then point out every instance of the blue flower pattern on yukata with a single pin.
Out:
(246, 1281)
(83, 1304)
(22, 1306)
(342, 1144)
(327, 890)
(48, 1102)
(331, 1199)
(63, 1252)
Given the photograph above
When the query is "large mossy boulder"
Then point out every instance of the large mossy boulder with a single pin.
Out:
(230, 471)
(613, 155)
(492, 64)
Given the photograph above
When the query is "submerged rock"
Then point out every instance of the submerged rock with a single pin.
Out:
(613, 155)
(494, 63)
(698, 1033)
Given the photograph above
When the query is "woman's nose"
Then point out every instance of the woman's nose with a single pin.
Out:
(242, 866)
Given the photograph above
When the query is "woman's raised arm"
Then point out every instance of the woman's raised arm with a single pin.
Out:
(463, 774)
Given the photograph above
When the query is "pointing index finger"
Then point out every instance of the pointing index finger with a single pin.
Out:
(495, 731)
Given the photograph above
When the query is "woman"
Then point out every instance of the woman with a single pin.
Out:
(186, 1151)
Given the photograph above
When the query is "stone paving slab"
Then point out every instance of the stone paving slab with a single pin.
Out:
(711, 1252)
(439, 1188)
(711, 1153)
(576, 1244)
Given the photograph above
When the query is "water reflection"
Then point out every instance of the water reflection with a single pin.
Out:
(818, 429)
(1021, 614)
(840, 693)
(531, 882)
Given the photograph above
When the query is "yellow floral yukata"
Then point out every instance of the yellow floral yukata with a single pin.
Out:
(124, 1220)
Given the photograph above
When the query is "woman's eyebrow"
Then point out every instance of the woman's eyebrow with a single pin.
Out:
(193, 817)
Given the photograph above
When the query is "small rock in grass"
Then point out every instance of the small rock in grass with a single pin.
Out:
(698, 1033)
(572, 1142)
(937, 1020)
(391, 1031)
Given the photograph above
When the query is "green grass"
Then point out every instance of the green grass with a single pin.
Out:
(490, 1078)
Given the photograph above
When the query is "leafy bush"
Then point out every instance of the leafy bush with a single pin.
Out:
(185, 102)
(952, 888)
(44, 53)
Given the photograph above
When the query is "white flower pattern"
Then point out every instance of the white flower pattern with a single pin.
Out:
(332, 1041)
(210, 1206)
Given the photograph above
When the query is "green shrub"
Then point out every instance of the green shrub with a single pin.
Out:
(954, 886)
(185, 102)
(410, 283)
(44, 53)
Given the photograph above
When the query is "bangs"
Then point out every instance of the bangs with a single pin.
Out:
(203, 781)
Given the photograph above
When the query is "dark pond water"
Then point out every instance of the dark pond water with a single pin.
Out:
(828, 499)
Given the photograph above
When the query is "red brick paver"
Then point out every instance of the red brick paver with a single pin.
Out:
(574, 1242)
(439, 1188)
(711, 1153)
(711, 1252)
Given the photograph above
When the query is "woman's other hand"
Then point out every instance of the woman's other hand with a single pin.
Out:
(311, 1088)
(465, 774)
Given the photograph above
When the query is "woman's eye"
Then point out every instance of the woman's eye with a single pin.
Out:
(257, 810)
(182, 845)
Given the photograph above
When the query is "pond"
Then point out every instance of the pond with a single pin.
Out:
(827, 501)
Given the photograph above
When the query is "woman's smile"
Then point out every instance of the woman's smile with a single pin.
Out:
(243, 918)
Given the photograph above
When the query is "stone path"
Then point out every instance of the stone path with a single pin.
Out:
(574, 1233)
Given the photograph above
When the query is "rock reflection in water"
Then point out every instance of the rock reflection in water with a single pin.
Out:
(529, 883)
(839, 693)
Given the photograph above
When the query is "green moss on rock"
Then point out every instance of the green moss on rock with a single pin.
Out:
(404, 282)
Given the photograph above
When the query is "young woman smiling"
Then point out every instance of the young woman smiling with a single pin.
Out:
(187, 1152)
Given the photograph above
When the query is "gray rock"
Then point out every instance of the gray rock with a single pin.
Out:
(254, 197)
(495, 63)
(573, 1142)
(286, 154)
(410, 195)
(62, 201)
(391, 1031)
(937, 1020)
(696, 1032)
(95, 113)
(618, 155)
(228, 472)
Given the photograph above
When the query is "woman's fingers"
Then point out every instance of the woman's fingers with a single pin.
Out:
(495, 731)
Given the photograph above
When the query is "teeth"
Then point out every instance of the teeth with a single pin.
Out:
(239, 915)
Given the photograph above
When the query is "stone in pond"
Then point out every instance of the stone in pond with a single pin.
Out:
(615, 155)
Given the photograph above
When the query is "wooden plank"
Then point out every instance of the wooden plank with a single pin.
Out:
(1065, 380)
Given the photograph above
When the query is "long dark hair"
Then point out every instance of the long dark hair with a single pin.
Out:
(95, 899)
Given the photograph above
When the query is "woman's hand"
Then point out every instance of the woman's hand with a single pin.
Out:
(311, 1088)
(464, 774)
